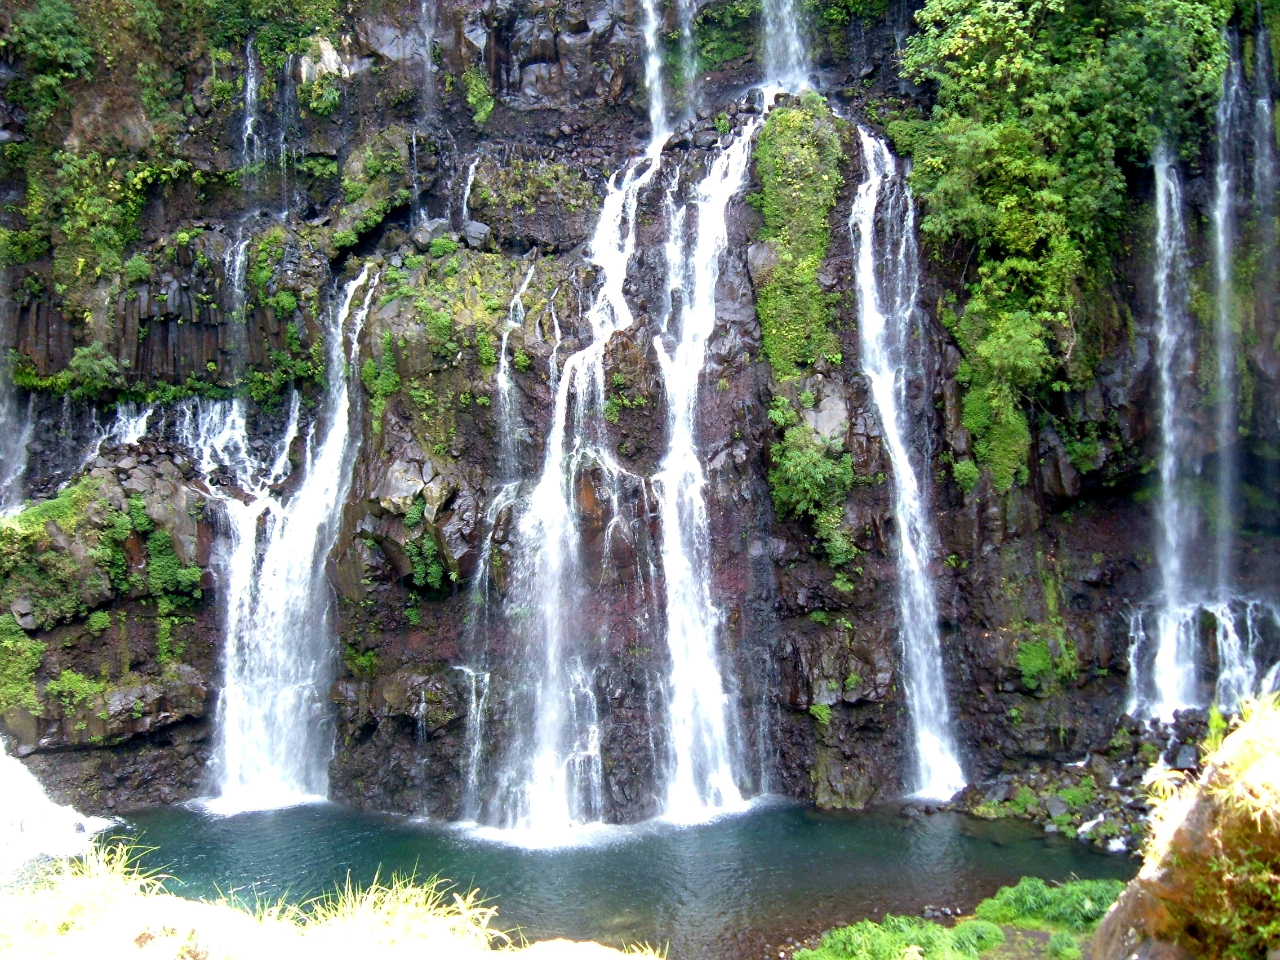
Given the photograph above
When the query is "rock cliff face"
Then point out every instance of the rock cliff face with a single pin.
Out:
(465, 150)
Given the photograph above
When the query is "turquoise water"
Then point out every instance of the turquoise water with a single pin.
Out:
(712, 892)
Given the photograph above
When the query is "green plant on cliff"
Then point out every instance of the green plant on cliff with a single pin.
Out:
(381, 380)
(20, 657)
(810, 479)
(74, 690)
(1041, 106)
(56, 48)
(479, 94)
(798, 158)
(321, 96)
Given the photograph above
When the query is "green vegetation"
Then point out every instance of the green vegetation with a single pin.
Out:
(821, 712)
(1074, 907)
(322, 96)
(1212, 858)
(479, 94)
(52, 41)
(798, 157)
(295, 364)
(1023, 162)
(20, 657)
(1068, 911)
(381, 380)
(810, 479)
(362, 664)
(896, 937)
(74, 690)
(104, 898)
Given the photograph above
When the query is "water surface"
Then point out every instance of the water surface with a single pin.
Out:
(712, 892)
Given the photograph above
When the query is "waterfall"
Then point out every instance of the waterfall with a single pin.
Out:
(464, 213)
(551, 779)
(17, 421)
(1229, 135)
(31, 825)
(1169, 683)
(274, 733)
(1264, 138)
(701, 739)
(508, 422)
(786, 61)
(250, 140)
(888, 281)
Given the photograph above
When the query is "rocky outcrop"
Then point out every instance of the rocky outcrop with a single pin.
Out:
(1209, 872)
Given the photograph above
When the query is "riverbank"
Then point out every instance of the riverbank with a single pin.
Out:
(103, 905)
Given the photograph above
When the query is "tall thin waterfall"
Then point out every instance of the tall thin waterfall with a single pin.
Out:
(1264, 138)
(786, 59)
(882, 228)
(1230, 120)
(250, 138)
(16, 424)
(274, 734)
(1169, 682)
(16, 420)
(702, 741)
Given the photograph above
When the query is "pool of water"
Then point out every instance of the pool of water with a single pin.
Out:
(711, 892)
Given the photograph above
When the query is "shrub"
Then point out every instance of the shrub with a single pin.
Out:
(1075, 907)
(137, 269)
(20, 657)
(99, 622)
(479, 94)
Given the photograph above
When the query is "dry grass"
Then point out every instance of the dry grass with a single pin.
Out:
(102, 905)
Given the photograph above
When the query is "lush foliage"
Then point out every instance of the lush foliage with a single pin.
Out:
(20, 656)
(810, 479)
(1075, 907)
(381, 379)
(798, 158)
(1041, 106)
(896, 937)
(479, 94)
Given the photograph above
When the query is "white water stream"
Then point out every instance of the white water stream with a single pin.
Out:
(882, 229)
(274, 735)
(701, 777)
(1169, 683)
(1230, 120)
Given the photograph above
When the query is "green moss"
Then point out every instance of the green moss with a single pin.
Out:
(20, 658)
(821, 712)
(99, 622)
(798, 157)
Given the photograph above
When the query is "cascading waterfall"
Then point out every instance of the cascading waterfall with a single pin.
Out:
(701, 739)
(16, 425)
(250, 139)
(273, 730)
(1168, 683)
(1230, 117)
(786, 59)
(888, 280)
(1264, 139)
(551, 779)
(16, 420)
